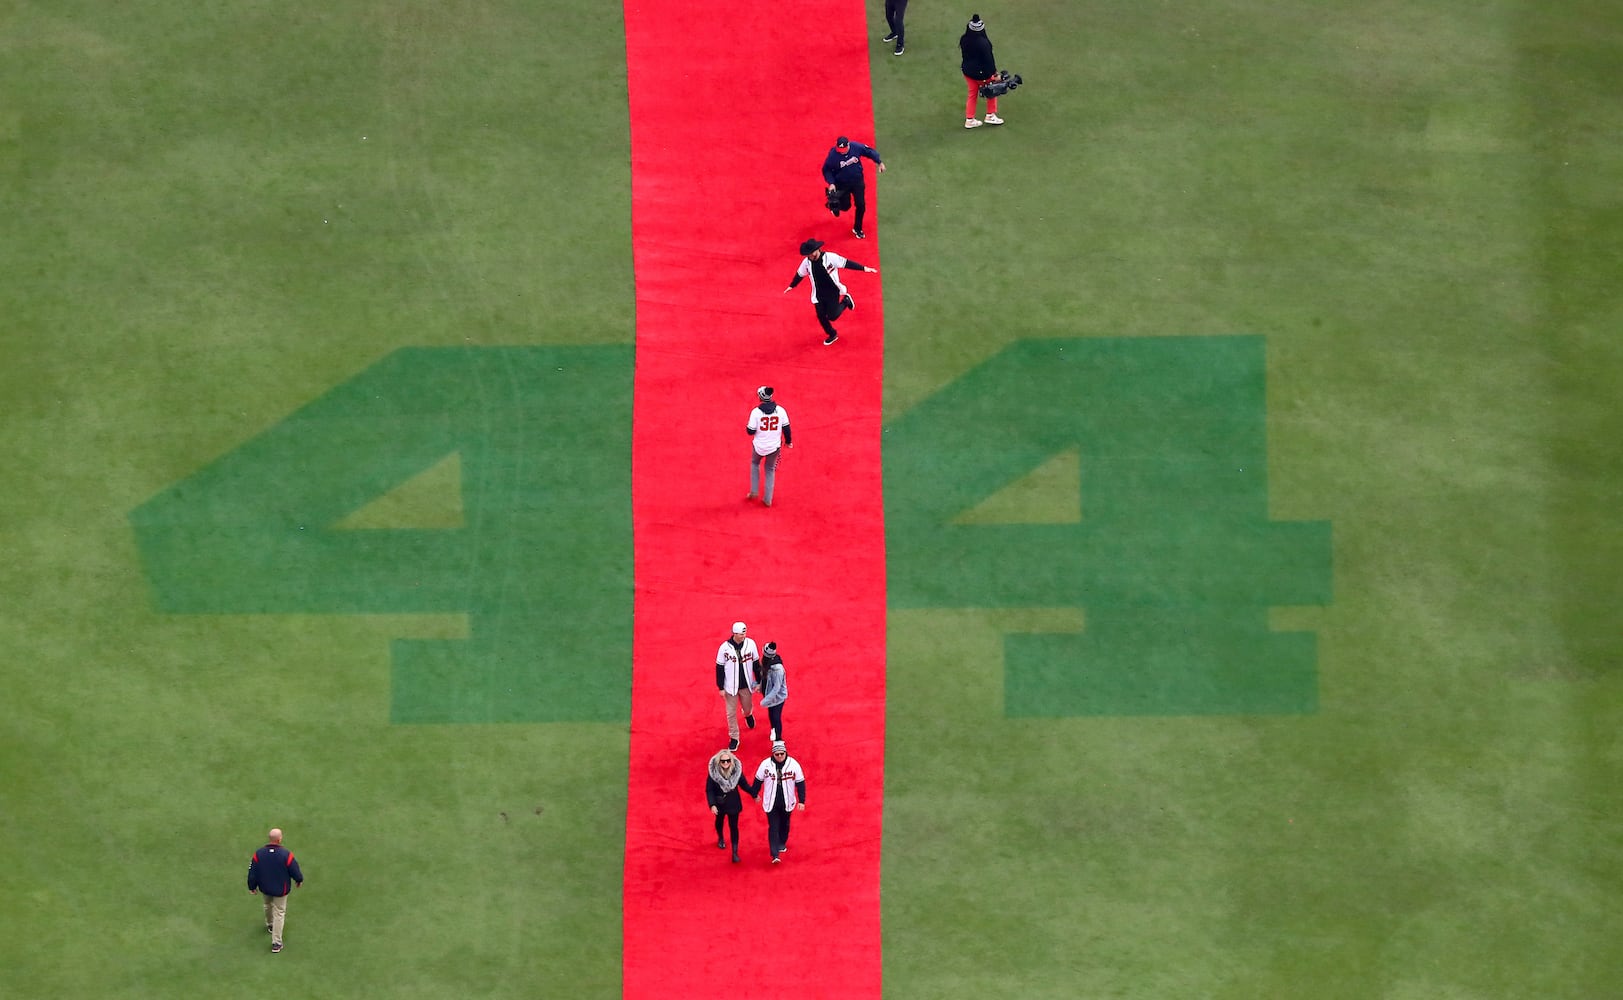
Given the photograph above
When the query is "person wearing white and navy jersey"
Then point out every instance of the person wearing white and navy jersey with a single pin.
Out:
(780, 784)
(735, 679)
(828, 296)
(768, 428)
(842, 172)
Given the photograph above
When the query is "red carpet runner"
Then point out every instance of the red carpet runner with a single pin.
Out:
(732, 110)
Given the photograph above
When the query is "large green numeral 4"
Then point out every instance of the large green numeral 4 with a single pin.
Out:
(540, 561)
(1173, 556)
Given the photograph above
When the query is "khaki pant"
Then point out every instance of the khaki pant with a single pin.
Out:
(275, 916)
(733, 701)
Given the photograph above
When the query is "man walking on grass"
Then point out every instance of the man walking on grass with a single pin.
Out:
(272, 873)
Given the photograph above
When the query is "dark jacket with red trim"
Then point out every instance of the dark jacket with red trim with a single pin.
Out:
(273, 871)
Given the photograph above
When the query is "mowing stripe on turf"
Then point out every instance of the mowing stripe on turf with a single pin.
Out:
(725, 186)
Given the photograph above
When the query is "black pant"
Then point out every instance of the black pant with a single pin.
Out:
(895, 10)
(775, 713)
(732, 825)
(827, 312)
(777, 826)
(857, 195)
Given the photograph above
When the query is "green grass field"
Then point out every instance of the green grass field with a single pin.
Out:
(212, 216)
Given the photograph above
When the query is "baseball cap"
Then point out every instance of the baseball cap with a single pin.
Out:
(808, 246)
(739, 627)
(842, 142)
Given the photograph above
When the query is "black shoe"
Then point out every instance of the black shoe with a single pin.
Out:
(749, 720)
(276, 947)
(850, 303)
(721, 844)
(899, 49)
(859, 234)
(889, 38)
(831, 338)
(732, 744)
(735, 857)
(775, 859)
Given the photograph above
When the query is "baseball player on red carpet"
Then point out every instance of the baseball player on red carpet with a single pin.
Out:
(829, 296)
(768, 429)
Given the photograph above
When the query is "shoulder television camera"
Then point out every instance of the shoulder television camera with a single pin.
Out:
(1000, 83)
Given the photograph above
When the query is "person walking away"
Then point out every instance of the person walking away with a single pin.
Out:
(774, 689)
(978, 67)
(780, 784)
(829, 296)
(721, 787)
(272, 873)
(768, 428)
(842, 172)
(895, 12)
(735, 672)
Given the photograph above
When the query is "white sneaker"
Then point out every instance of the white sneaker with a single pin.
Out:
(972, 123)
(992, 120)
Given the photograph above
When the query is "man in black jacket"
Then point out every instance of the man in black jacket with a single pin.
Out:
(842, 172)
(272, 873)
(978, 66)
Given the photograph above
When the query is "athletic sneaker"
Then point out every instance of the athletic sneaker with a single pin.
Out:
(889, 38)
(859, 234)
(276, 947)
(972, 123)
(831, 338)
(721, 843)
(732, 744)
(749, 720)
(993, 120)
(775, 859)
(898, 51)
(850, 303)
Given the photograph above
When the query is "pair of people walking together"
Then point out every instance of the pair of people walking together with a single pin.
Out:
(779, 785)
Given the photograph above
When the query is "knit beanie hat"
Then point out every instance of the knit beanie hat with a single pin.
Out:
(975, 23)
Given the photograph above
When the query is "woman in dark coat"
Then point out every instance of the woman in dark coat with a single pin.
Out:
(721, 787)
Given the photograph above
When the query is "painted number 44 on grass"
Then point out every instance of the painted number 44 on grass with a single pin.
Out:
(1172, 558)
(539, 556)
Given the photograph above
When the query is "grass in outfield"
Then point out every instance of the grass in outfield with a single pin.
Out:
(1415, 203)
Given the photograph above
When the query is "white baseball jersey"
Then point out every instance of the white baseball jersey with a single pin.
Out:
(830, 262)
(735, 669)
(768, 428)
(767, 775)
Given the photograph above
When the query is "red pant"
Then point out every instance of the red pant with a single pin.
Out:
(974, 94)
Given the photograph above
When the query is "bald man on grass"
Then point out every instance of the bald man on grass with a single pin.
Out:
(272, 873)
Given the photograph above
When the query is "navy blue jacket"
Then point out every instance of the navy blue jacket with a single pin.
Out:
(845, 169)
(273, 871)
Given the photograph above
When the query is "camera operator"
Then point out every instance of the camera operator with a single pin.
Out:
(978, 67)
(842, 172)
